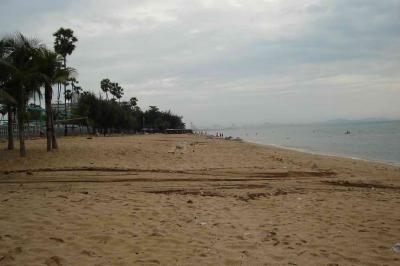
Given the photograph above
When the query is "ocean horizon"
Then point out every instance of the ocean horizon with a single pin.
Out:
(377, 141)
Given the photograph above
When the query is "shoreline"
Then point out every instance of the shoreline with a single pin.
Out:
(343, 156)
(372, 143)
(265, 145)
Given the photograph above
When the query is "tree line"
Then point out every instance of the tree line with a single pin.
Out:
(107, 115)
(27, 66)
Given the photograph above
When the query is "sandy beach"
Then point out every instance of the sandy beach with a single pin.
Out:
(190, 200)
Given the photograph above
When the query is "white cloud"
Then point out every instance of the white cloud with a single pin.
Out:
(279, 60)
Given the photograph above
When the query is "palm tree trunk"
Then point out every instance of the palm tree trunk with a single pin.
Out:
(58, 97)
(65, 111)
(10, 128)
(21, 130)
(65, 100)
(53, 133)
(49, 116)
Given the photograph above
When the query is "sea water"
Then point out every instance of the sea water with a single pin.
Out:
(376, 141)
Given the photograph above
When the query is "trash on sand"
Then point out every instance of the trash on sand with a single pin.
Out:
(396, 248)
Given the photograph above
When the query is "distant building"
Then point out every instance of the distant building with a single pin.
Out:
(35, 112)
(64, 111)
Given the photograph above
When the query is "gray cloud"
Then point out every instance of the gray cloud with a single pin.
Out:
(233, 61)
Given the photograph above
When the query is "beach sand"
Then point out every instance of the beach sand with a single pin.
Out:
(189, 200)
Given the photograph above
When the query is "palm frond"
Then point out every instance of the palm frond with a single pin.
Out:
(6, 66)
(6, 98)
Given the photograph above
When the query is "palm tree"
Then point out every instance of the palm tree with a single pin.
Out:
(6, 99)
(64, 45)
(105, 86)
(50, 72)
(9, 104)
(133, 102)
(120, 93)
(75, 89)
(58, 97)
(18, 63)
(113, 89)
(116, 90)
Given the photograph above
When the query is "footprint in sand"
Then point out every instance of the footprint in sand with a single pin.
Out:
(6, 259)
(101, 239)
(59, 240)
(54, 261)
(88, 253)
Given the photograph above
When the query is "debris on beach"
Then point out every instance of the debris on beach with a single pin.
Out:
(179, 148)
(275, 158)
(252, 196)
(396, 248)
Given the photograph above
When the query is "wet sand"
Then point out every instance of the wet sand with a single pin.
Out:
(189, 200)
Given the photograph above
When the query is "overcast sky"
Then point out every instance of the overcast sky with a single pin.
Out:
(232, 61)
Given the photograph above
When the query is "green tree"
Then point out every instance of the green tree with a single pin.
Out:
(64, 44)
(133, 102)
(116, 91)
(120, 93)
(105, 85)
(6, 100)
(8, 105)
(106, 115)
(113, 89)
(18, 63)
(161, 120)
(75, 89)
(50, 72)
